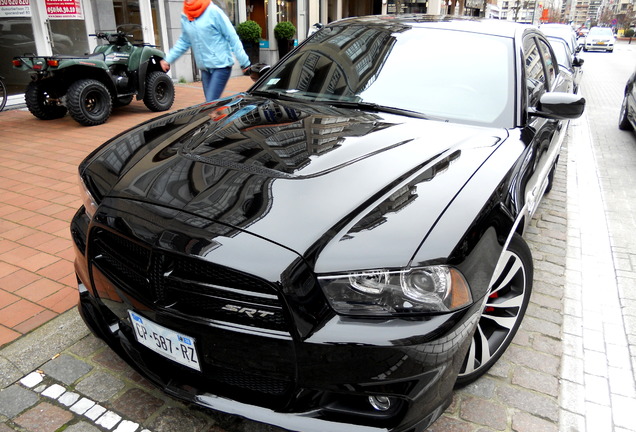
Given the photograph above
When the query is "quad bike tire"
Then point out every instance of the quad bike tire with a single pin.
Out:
(89, 102)
(41, 100)
(159, 94)
(505, 307)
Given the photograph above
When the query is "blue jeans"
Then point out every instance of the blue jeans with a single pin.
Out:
(214, 81)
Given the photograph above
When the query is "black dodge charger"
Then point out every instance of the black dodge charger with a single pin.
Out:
(342, 245)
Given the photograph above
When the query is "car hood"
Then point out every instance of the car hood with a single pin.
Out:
(318, 180)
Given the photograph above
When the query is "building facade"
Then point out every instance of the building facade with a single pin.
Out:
(46, 27)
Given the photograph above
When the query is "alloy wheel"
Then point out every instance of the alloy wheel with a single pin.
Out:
(503, 312)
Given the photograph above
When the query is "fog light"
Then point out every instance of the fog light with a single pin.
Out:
(380, 403)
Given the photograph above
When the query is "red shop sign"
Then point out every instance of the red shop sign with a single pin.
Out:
(64, 9)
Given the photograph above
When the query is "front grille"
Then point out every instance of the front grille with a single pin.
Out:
(187, 285)
(261, 384)
(237, 384)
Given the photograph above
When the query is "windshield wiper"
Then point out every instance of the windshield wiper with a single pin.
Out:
(280, 94)
(370, 106)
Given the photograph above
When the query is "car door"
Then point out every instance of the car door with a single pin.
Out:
(544, 137)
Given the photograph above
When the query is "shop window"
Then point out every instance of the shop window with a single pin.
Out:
(16, 38)
(128, 18)
(68, 36)
(286, 11)
(229, 7)
(156, 23)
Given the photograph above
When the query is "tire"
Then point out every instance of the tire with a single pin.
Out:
(122, 101)
(3, 94)
(159, 94)
(89, 102)
(623, 121)
(504, 309)
(43, 101)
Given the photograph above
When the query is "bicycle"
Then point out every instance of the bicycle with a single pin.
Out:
(3, 93)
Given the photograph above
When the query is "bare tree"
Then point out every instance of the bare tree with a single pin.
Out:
(625, 19)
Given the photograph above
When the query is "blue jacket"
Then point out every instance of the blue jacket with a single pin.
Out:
(212, 39)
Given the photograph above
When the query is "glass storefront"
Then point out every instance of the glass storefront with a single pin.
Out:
(229, 7)
(286, 11)
(156, 23)
(68, 36)
(63, 32)
(128, 18)
(16, 38)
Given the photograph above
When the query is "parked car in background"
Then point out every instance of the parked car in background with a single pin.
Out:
(563, 31)
(627, 117)
(340, 246)
(599, 39)
(567, 60)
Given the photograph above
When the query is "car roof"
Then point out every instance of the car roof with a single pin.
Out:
(559, 39)
(557, 28)
(556, 25)
(468, 24)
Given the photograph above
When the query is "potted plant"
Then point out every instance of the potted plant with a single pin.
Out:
(284, 33)
(249, 32)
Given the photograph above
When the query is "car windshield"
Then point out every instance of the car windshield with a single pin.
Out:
(600, 31)
(436, 73)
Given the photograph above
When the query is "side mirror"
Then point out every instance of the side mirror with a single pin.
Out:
(314, 28)
(559, 106)
(258, 70)
(577, 62)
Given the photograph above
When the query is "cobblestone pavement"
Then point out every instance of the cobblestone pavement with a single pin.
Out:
(598, 391)
(570, 367)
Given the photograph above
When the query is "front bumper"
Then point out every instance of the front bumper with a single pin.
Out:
(310, 380)
(599, 47)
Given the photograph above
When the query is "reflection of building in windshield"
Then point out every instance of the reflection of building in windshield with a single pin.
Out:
(340, 60)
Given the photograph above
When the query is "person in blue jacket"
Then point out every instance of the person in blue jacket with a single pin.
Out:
(209, 33)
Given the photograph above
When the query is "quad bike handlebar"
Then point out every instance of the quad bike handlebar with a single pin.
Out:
(118, 38)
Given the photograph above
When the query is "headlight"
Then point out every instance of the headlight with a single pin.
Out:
(87, 198)
(384, 292)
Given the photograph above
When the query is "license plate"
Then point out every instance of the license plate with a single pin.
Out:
(177, 347)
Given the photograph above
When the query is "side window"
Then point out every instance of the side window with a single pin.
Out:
(549, 62)
(535, 74)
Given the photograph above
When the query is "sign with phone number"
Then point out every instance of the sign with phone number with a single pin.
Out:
(15, 8)
(64, 9)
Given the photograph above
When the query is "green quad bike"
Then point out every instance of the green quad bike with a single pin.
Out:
(90, 86)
